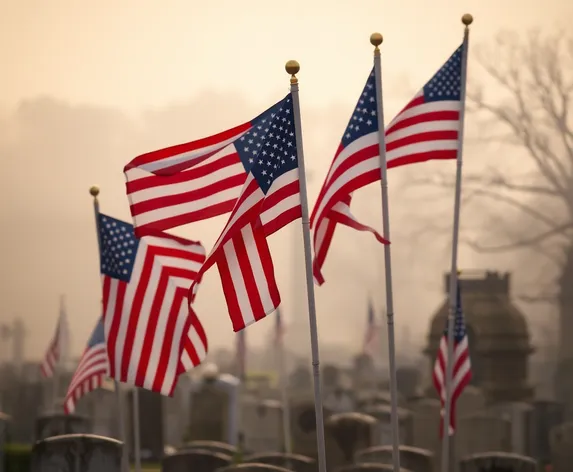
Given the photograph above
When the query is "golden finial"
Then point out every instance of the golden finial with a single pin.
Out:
(467, 19)
(459, 272)
(376, 40)
(94, 191)
(292, 67)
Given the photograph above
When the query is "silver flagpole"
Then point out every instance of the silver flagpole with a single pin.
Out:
(136, 434)
(284, 393)
(467, 20)
(94, 192)
(376, 40)
(292, 68)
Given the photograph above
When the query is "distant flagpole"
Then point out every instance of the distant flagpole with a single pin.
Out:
(62, 351)
(279, 343)
(292, 68)
(376, 41)
(94, 192)
(467, 20)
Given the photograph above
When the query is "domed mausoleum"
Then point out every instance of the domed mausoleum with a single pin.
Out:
(497, 333)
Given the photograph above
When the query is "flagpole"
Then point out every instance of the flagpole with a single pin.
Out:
(284, 392)
(467, 20)
(94, 192)
(376, 40)
(136, 432)
(292, 68)
(57, 365)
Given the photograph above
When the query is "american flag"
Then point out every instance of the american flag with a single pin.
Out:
(152, 334)
(91, 371)
(58, 348)
(192, 181)
(462, 369)
(427, 128)
(269, 200)
(372, 331)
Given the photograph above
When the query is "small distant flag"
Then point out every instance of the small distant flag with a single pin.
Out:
(462, 369)
(371, 336)
(58, 348)
(91, 371)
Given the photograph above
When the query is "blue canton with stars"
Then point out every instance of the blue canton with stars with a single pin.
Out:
(98, 335)
(459, 324)
(118, 248)
(446, 84)
(365, 117)
(268, 149)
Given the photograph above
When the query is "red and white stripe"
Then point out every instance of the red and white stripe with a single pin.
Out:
(147, 318)
(242, 254)
(58, 348)
(185, 183)
(420, 132)
(461, 376)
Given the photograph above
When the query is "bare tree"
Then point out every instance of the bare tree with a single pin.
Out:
(523, 105)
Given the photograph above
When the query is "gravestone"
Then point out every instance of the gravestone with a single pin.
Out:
(4, 419)
(482, 432)
(76, 453)
(213, 446)
(339, 401)
(176, 412)
(369, 467)
(519, 416)
(408, 381)
(426, 425)
(471, 400)
(150, 424)
(346, 433)
(214, 409)
(383, 428)
(101, 406)
(200, 460)
(497, 462)
(253, 467)
(60, 424)
(295, 462)
(261, 423)
(544, 417)
(303, 425)
(561, 441)
(412, 458)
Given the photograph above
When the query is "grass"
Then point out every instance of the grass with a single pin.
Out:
(148, 468)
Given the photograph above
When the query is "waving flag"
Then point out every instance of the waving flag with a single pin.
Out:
(91, 371)
(269, 200)
(427, 128)
(462, 369)
(151, 333)
(58, 348)
(193, 181)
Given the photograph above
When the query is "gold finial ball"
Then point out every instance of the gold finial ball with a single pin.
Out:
(459, 272)
(94, 191)
(292, 67)
(376, 39)
(467, 19)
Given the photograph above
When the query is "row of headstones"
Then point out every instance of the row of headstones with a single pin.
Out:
(89, 453)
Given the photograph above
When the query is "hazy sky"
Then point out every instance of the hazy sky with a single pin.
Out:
(88, 85)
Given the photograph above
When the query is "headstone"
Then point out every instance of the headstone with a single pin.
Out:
(253, 467)
(544, 417)
(60, 424)
(497, 462)
(4, 419)
(261, 423)
(383, 429)
(197, 460)
(214, 410)
(101, 406)
(176, 412)
(150, 424)
(295, 462)
(213, 446)
(368, 398)
(407, 380)
(303, 425)
(471, 400)
(368, 467)
(482, 432)
(339, 401)
(519, 416)
(412, 458)
(426, 425)
(346, 433)
(561, 440)
(76, 453)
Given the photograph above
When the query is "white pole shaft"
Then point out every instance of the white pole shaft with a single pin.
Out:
(454, 267)
(284, 397)
(387, 266)
(136, 435)
(309, 282)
